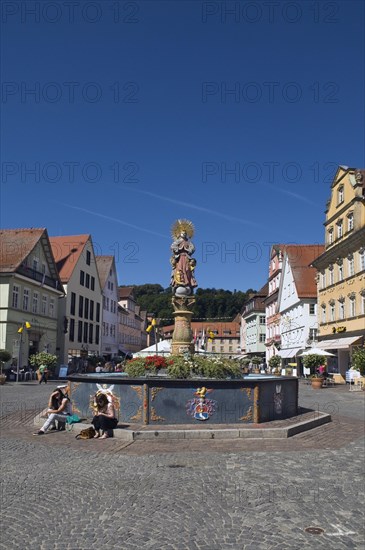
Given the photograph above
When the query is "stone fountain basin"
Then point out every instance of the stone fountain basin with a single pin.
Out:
(163, 401)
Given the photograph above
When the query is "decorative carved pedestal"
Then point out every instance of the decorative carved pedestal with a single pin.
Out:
(183, 335)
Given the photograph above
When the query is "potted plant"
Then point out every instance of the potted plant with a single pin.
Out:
(256, 362)
(358, 360)
(245, 362)
(5, 356)
(43, 358)
(316, 363)
(274, 364)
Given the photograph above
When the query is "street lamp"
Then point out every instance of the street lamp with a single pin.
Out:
(152, 326)
(20, 331)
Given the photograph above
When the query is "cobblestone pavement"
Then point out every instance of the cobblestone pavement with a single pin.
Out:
(59, 493)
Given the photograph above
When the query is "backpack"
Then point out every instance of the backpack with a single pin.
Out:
(87, 433)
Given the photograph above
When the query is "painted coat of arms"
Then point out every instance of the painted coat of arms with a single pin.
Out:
(201, 408)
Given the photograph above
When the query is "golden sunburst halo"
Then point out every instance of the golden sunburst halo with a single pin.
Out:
(182, 225)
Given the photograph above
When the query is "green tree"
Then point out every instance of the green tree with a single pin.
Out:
(358, 360)
(5, 356)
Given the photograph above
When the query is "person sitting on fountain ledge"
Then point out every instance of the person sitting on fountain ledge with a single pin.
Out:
(104, 419)
(59, 408)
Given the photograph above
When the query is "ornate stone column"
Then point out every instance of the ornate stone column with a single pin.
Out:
(183, 335)
(183, 283)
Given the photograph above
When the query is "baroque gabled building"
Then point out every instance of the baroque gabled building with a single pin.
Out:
(253, 324)
(297, 300)
(341, 267)
(132, 335)
(80, 309)
(30, 293)
(273, 338)
(109, 286)
(216, 337)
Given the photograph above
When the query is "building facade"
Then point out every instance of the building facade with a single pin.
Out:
(341, 268)
(80, 310)
(30, 293)
(297, 301)
(273, 337)
(109, 285)
(253, 324)
(216, 337)
(132, 322)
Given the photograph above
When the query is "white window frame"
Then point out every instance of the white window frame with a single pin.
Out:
(323, 279)
(339, 230)
(323, 317)
(340, 195)
(352, 307)
(341, 310)
(362, 260)
(15, 298)
(35, 302)
(332, 312)
(350, 222)
(26, 296)
(44, 304)
(351, 266)
(51, 307)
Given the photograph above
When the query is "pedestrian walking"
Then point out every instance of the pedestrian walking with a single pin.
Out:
(43, 371)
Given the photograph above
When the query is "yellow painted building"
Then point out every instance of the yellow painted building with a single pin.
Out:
(341, 268)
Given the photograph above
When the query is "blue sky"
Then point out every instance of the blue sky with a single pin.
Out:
(231, 114)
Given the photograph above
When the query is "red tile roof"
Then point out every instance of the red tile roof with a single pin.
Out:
(220, 327)
(16, 245)
(125, 292)
(300, 257)
(104, 265)
(67, 251)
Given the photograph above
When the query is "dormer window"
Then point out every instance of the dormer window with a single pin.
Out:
(340, 195)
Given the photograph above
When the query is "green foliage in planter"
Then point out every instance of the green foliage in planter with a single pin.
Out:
(43, 358)
(181, 367)
(256, 360)
(313, 361)
(178, 367)
(136, 367)
(358, 360)
(275, 361)
(140, 366)
(5, 356)
(246, 361)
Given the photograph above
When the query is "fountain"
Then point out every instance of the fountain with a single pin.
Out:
(161, 400)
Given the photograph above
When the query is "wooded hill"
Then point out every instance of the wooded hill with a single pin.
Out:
(210, 303)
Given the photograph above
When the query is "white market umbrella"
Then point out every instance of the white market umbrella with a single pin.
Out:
(317, 351)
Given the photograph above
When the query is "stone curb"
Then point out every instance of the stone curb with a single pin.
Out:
(152, 432)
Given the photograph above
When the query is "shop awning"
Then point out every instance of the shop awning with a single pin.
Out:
(339, 343)
(287, 353)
